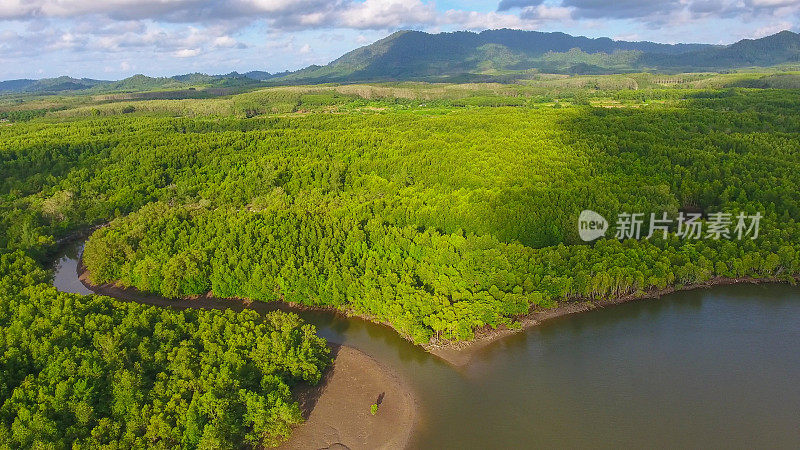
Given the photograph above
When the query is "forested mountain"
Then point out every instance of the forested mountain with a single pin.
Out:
(415, 54)
(407, 55)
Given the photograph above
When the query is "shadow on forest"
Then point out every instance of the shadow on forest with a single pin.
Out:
(704, 152)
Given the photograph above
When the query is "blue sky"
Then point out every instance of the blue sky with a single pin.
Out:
(113, 39)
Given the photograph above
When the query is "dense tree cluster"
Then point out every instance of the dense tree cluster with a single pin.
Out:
(425, 283)
(90, 371)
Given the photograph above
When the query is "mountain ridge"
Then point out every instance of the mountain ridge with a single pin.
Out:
(406, 55)
(489, 55)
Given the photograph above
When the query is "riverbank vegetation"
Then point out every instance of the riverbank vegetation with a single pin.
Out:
(92, 372)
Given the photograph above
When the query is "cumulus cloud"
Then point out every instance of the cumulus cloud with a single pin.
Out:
(279, 13)
(473, 20)
(772, 3)
(621, 9)
(187, 52)
(387, 13)
(119, 9)
(771, 29)
(545, 13)
(225, 42)
(116, 37)
(661, 11)
(506, 5)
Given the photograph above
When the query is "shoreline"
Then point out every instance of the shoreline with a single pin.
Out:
(457, 354)
(337, 411)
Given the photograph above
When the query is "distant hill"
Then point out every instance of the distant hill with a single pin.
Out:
(46, 85)
(415, 55)
(136, 83)
(139, 82)
(254, 75)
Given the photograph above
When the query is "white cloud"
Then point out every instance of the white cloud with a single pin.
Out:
(627, 37)
(11, 9)
(473, 20)
(773, 3)
(17, 9)
(387, 13)
(547, 13)
(224, 42)
(660, 12)
(278, 14)
(186, 52)
(771, 29)
(284, 6)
